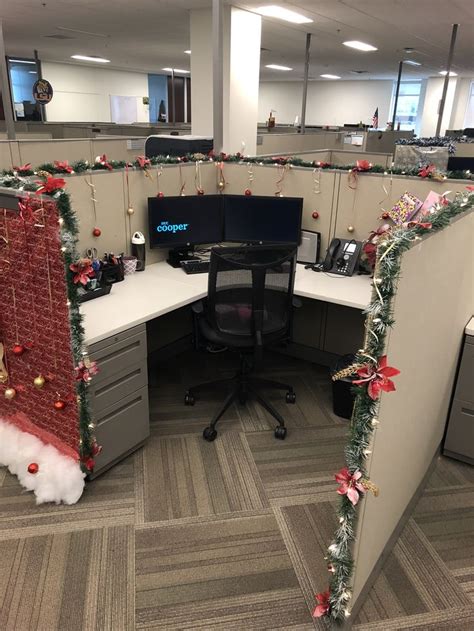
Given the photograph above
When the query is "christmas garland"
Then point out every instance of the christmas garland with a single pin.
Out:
(53, 188)
(435, 141)
(102, 163)
(373, 375)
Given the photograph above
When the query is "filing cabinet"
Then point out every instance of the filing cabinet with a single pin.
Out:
(118, 395)
(459, 442)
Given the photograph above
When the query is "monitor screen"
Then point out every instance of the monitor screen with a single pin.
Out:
(185, 221)
(259, 219)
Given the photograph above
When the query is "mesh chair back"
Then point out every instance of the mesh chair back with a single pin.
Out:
(250, 290)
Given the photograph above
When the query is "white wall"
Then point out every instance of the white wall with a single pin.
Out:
(428, 109)
(82, 93)
(329, 102)
(461, 98)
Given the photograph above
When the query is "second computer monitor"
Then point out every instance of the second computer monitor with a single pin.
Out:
(261, 219)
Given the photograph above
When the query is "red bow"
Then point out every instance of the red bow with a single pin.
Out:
(377, 378)
(349, 484)
(362, 165)
(322, 165)
(143, 162)
(418, 224)
(85, 370)
(426, 171)
(63, 166)
(51, 185)
(470, 187)
(322, 608)
(103, 161)
(25, 168)
(83, 271)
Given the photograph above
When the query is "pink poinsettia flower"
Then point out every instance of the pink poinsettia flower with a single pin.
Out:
(143, 162)
(363, 165)
(349, 484)
(427, 170)
(83, 271)
(85, 371)
(377, 378)
(63, 166)
(322, 608)
(24, 168)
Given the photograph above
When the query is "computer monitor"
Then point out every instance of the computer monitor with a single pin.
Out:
(184, 221)
(261, 219)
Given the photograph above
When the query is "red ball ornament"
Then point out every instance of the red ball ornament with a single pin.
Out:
(59, 404)
(97, 232)
(33, 467)
(247, 192)
(160, 194)
(385, 215)
(315, 214)
(200, 191)
(18, 350)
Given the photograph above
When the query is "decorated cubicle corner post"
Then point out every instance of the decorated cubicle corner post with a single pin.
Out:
(46, 431)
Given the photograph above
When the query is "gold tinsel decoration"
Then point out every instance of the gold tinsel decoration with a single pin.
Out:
(346, 372)
(43, 174)
(370, 486)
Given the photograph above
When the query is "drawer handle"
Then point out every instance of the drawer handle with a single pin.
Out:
(119, 410)
(119, 351)
(467, 411)
(121, 380)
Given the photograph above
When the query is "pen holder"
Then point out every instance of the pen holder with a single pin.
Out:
(113, 272)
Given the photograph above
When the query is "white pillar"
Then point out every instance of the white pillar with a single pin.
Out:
(240, 81)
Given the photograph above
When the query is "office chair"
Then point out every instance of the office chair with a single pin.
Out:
(249, 307)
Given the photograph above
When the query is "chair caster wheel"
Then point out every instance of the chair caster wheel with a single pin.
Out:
(280, 432)
(209, 434)
(291, 397)
(189, 399)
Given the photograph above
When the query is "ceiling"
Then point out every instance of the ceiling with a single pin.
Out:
(148, 35)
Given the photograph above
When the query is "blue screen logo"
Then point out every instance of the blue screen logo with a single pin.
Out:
(166, 226)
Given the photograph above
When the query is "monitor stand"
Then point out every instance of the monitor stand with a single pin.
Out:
(176, 255)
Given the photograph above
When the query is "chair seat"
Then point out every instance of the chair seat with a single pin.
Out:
(238, 341)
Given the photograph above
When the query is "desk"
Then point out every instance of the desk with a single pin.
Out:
(116, 335)
(161, 289)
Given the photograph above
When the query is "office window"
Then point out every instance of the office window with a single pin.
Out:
(407, 106)
(469, 117)
(23, 74)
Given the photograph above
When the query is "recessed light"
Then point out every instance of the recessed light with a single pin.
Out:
(97, 60)
(277, 67)
(274, 11)
(360, 46)
(32, 72)
(410, 62)
(330, 76)
(176, 70)
(188, 52)
(22, 61)
(451, 73)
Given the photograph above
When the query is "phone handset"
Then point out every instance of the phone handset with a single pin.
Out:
(331, 255)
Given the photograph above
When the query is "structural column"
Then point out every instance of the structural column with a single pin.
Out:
(227, 80)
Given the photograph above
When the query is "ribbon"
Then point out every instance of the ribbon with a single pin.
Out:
(283, 169)
(317, 181)
(182, 181)
(221, 183)
(197, 179)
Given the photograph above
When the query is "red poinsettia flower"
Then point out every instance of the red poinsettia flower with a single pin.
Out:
(24, 168)
(83, 271)
(51, 185)
(427, 170)
(377, 378)
(143, 162)
(349, 484)
(363, 165)
(104, 162)
(322, 608)
(63, 166)
(470, 187)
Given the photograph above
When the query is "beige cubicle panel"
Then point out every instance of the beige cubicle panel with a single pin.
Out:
(9, 155)
(433, 303)
(361, 207)
(117, 148)
(40, 152)
(346, 158)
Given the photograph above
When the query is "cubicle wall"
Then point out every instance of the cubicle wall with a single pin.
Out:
(433, 303)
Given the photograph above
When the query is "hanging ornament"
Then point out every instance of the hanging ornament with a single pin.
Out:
(33, 467)
(350, 228)
(59, 405)
(221, 183)
(200, 191)
(18, 350)
(247, 192)
(315, 214)
(3, 367)
(130, 211)
(385, 215)
(197, 178)
(10, 393)
(160, 194)
(39, 382)
(97, 232)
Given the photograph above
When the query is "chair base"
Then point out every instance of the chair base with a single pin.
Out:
(244, 387)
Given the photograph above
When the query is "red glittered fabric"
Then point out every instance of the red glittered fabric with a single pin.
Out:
(34, 313)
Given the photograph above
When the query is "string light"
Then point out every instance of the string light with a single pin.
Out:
(367, 452)
(375, 422)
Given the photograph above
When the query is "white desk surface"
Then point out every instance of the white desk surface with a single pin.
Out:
(161, 289)
(470, 327)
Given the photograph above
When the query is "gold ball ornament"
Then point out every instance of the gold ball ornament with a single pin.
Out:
(221, 185)
(10, 393)
(39, 381)
(350, 228)
(130, 211)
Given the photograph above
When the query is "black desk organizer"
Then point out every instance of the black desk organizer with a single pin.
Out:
(84, 294)
(109, 274)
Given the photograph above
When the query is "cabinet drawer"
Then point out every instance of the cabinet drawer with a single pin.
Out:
(122, 426)
(460, 434)
(118, 352)
(465, 383)
(116, 386)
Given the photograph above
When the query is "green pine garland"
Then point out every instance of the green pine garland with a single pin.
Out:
(364, 417)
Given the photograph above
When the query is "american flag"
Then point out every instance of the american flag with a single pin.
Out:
(375, 119)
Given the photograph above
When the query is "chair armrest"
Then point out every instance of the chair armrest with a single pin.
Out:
(297, 302)
(198, 307)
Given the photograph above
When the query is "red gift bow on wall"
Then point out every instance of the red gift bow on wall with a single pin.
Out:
(377, 378)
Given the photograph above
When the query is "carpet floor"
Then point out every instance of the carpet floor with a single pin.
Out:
(185, 534)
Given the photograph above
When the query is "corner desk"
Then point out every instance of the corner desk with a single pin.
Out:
(116, 335)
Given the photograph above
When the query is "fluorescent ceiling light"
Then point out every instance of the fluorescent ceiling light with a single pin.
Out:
(274, 11)
(329, 76)
(451, 73)
(176, 70)
(22, 61)
(410, 62)
(188, 52)
(360, 46)
(277, 67)
(32, 72)
(98, 60)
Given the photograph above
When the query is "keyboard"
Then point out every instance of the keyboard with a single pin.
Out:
(195, 267)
